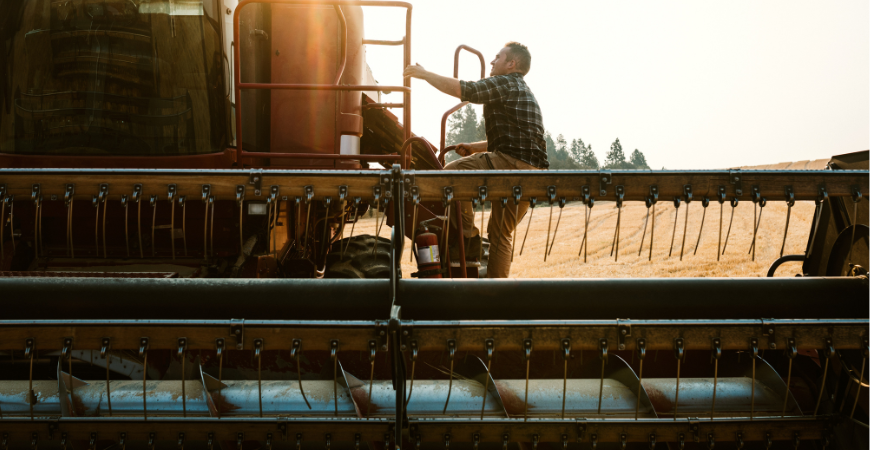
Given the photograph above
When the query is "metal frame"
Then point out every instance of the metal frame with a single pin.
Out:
(396, 335)
(335, 86)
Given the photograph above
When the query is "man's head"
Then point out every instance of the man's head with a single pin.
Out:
(514, 57)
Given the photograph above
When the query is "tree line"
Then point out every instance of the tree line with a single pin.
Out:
(464, 126)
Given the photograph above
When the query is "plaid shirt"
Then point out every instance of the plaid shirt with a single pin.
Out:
(514, 125)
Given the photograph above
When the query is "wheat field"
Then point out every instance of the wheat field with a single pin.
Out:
(697, 261)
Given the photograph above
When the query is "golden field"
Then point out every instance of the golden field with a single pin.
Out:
(564, 262)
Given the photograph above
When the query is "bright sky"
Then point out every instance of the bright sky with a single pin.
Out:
(692, 84)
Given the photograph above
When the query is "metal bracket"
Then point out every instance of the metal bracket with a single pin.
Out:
(687, 192)
(143, 346)
(171, 190)
(586, 194)
(34, 193)
(768, 328)
(518, 194)
(415, 194)
(385, 179)
(604, 178)
(104, 192)
(755, 194)
(273, 192)
(481, 194)
(137, 192)
(623, 330)
(382, 329)
(28, 348)
(309, 193)
(551, 194)
(447, 195)
(735, 178)
(105, 346)
(376, 192)
(206, 192)
(720, 195)
(237, 330)
(342, 193)
(67, 348)
(3, 191)
(654, 194)
(240, 194)
(256, 179)
(693, 427)
(620, 195)
(789, 196)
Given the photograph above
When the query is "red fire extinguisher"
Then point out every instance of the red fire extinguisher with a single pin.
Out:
(428, 257)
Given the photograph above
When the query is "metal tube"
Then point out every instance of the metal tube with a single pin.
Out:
(785, 233)
(563, 299)
(652, 231)
(730, 222)
(700, 230)
(822, 386)
(529, 226)
(674, 234)
(549, 225)
(643, 235)
(463, 270)
(858, 389)
(171, 227)
(139, 221)
(153, 225)
(105, 205)
(685, 229)
(558, 221)
(380, 42)
(211, 231)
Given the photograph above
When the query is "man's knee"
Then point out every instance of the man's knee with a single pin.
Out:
(472, 162)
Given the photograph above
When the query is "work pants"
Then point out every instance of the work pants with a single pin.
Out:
(502, 221)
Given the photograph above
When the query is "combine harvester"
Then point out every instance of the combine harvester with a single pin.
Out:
(124, 122)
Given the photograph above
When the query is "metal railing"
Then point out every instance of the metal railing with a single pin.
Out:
(335, 86)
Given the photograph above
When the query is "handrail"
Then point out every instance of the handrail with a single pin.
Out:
(470, 50)
(459, 106)
(405, 88)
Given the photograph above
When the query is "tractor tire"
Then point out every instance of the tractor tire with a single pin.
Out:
(359, 261)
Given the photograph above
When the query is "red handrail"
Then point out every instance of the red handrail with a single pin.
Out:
(405, 88)
(459, 106)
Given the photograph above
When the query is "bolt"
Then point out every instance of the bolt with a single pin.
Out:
(408, 180)
(624, 331)
(381, 333)
(770, 331)
(229, 11)
(404, 347)
(736, 178)
(384, 347)
(238, 331)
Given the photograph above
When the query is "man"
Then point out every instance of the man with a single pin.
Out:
(514, 140)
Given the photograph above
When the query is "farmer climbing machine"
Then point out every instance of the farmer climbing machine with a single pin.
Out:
(192, 303)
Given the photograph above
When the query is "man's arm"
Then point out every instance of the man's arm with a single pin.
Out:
(467, 149)
(449, 86)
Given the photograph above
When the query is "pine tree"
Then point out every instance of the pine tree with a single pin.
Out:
(463, 127)
(588, 160)
(615, 157)
(577, 148)
(638, 160)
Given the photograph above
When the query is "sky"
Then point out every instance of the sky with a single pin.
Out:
(691, 84)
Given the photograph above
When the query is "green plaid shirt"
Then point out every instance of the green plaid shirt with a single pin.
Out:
(514, 125)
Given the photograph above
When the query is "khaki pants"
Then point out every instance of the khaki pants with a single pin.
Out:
(502, 221)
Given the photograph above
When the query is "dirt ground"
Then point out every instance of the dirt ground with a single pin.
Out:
(697, 260)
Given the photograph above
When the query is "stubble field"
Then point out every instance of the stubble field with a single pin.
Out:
(697, 260)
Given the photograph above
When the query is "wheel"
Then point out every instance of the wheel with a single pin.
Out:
(359, 261)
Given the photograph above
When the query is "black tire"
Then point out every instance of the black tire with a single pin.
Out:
(359, 261)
